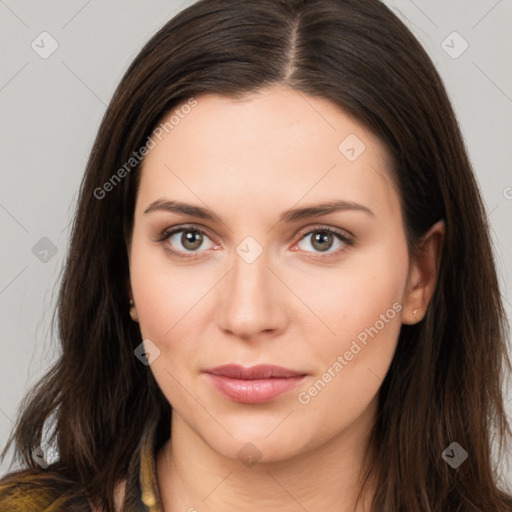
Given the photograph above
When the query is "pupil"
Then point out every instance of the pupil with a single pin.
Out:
(191, 239)
(322, 237)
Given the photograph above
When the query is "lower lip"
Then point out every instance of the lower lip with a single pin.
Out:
(255, 391)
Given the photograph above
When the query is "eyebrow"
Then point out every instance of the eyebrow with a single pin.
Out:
(288, 216)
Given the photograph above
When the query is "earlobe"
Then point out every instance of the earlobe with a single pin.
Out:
(133, 311)
(423, 274)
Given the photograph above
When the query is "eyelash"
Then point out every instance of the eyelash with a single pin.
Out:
(166, 234)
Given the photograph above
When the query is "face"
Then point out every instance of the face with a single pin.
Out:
(291, 252)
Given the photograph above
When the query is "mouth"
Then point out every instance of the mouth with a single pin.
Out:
(254, 385)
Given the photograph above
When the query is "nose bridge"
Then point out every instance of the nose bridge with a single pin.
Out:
(249, 303)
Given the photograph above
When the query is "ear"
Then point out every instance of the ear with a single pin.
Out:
(423, 273)
(133, 309)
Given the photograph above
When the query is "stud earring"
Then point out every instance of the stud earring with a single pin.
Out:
(133, 312)
(415, 312)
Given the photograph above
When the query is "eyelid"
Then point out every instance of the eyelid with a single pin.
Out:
(346, 237)
(345, 234)
(166, 233)
(190, 255)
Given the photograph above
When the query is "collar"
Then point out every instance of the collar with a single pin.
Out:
(142, 493)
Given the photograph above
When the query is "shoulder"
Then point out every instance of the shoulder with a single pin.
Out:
(32, 491)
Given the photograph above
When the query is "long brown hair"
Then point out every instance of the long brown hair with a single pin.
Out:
(445, 381)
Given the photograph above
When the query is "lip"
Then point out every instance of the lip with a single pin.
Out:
(260, 371)
(255, 385)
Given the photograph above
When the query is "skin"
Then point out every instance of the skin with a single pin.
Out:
(247, 161)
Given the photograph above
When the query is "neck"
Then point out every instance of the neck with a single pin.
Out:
(193, 477)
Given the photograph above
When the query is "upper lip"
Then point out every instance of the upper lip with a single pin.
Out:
(260, 371)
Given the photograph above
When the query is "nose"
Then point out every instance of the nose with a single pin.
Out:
(251, 300)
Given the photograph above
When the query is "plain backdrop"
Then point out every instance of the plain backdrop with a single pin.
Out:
(60, 63)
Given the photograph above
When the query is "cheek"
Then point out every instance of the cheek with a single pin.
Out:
(362, 306)
(357, 294)
(167, 299)
(163, 293)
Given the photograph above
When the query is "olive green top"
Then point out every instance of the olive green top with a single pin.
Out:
(33, 490)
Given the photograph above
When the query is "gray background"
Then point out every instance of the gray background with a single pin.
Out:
(51, 108)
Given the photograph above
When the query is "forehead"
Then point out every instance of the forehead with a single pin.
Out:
(271, 146)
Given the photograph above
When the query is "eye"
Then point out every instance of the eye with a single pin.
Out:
(323, 240)
(191, 239)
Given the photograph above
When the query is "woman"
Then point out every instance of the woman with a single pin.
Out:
(280, 291)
